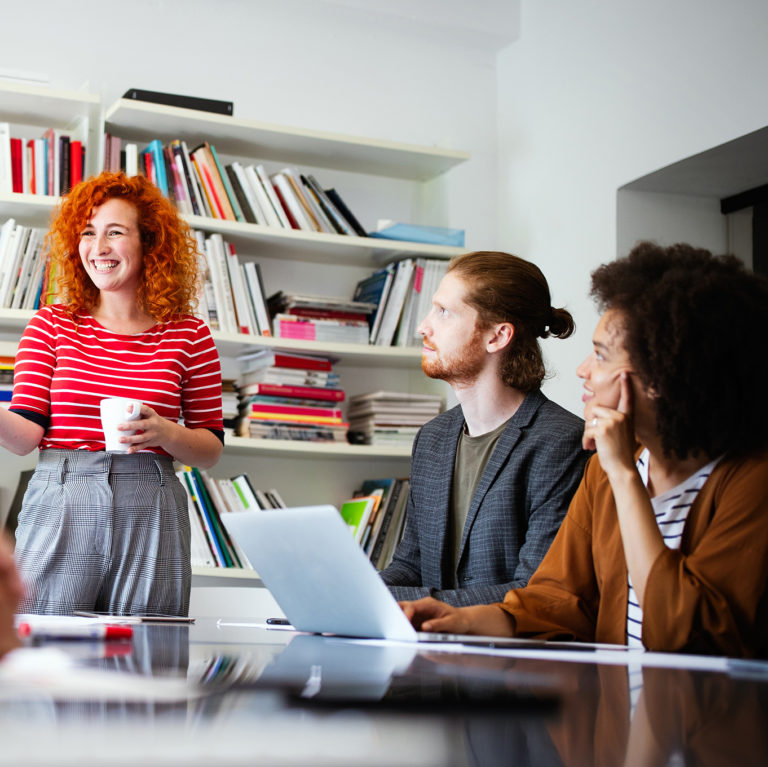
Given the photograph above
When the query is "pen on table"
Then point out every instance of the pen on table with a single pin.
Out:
(278, 622)
(94, 631)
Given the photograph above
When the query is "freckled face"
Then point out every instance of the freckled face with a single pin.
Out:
(110, 247)
(602, 368)
(453, 348)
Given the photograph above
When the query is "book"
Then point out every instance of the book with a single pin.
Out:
(337, 220)
(356, 512)
(264, 409)
(217, 266)
(228, 190)
(321, 330)
(266, 213)
(242, 303)
(239, 192)
(17, 174)
(193, 182)
(317, 221)
(394, 306)
(299, 392)
(177, 100)
(374, 290)
(269, 357)
(255, 288)
(245, 492)
(155, 151)
(75, 163)
(289, 377)
(391, 526)
(349, 217)
(214, 186)
(269, 189)
(292, 203)
(205, 521)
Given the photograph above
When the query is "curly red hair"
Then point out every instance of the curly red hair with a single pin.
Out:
(168, 286)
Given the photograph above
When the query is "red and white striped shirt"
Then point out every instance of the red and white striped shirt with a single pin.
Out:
(63, 369)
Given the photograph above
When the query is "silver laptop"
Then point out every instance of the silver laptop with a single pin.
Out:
(317, 572)
(324, 583)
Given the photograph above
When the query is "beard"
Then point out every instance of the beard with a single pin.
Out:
(461, 367)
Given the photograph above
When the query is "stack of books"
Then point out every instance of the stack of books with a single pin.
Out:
(376, 517)
(200, 184)
(230, 403)
(290, 396)
(207, 499)
(390, 418)
(24, 268)
(49, 165)
(320, 318)
(402, 294)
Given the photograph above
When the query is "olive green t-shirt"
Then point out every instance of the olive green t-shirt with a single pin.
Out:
(472, 456)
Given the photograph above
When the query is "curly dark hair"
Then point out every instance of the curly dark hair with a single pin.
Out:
(168, 286)
(506, 288)
(693, 327)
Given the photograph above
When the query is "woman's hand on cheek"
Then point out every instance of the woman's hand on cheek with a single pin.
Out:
(612, 431)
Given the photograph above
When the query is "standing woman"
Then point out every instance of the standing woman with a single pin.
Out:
(665, 543)
(102, 530)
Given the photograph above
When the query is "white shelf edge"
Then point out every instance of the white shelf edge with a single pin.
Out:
(327, 245)
(238, 573)
(397, 356)
(315, 449)
(43, 92)
(271, 141)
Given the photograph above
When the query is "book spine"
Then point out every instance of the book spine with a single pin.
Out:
(308, 392)
(205, 521)
(327, 412)
(227, 187)
(335, 198)
(218, 528)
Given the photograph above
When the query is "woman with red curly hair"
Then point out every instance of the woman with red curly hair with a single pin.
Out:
(98, 530)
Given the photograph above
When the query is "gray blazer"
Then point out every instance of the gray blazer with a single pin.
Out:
(518, 505)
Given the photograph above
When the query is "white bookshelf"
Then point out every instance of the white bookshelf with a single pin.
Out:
(303, 472)
(142, 122)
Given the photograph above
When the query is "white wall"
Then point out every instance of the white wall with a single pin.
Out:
(345, 66)
(595, 94)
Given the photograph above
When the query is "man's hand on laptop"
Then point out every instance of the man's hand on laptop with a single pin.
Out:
(429, 614)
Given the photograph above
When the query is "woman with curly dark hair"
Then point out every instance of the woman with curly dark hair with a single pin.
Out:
(98, 530)
(665, 544)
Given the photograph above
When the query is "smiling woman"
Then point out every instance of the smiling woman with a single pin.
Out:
(98, 530)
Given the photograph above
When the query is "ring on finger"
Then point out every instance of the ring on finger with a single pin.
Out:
(594, 422)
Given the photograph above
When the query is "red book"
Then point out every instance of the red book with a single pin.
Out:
(291, 219)
(75, 163)
(300, 392)
(17, 172)
(326, 314)
(324, 412)
(216, 200)
(300, 361)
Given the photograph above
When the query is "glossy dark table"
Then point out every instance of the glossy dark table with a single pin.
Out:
(273, 697)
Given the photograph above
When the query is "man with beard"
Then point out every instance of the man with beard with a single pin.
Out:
(491, 479)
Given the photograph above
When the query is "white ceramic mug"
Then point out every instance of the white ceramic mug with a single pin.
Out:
(114, 411)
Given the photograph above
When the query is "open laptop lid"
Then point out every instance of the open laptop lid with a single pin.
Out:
(317, 572)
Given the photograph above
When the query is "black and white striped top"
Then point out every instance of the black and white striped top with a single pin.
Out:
(671, 510)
